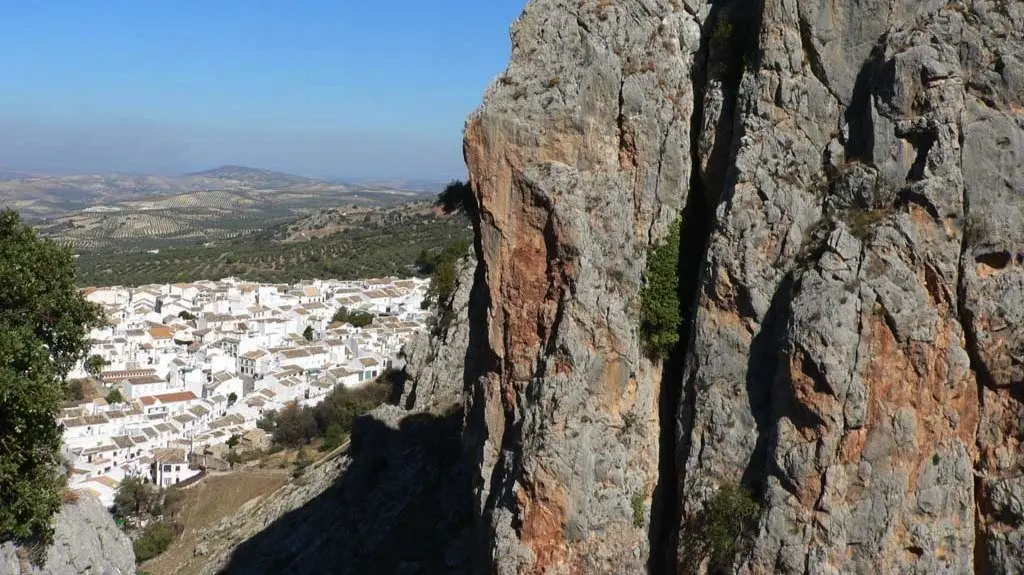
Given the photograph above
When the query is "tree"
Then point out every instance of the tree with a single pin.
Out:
(233, 458)
(268, 422)
(302, 461)
(185, 315)
(660, 314)
(457, 196)
(75, 390)
(135, 498)
(44, 321)
(233, 441)
(94, 365)
(308, 333)
(232, 398)
(295, 426)
(333, 437)
(354, 318)
(115, 396)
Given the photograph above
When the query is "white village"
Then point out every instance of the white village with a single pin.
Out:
(197, 364)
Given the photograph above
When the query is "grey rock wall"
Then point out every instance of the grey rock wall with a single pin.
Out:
(86, 542)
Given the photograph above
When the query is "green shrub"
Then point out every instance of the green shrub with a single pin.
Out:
(443, 269)
(659, 300)
(154, 540)
(729, 523)
(637, 502)
(302, 462)
(115, 396)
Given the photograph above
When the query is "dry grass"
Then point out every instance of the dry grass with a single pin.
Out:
(207, 503)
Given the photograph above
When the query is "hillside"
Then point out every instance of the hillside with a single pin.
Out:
(344, 244)
(55, 199)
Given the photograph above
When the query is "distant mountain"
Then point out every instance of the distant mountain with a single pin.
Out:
(47, 197)
(256, 178)
(422, 186)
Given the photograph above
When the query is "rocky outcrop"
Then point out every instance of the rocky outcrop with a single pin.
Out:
(580, 159)
(849, 180)
(436, 360)
(86, 542)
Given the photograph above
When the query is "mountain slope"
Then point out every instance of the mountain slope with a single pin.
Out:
(255, 178)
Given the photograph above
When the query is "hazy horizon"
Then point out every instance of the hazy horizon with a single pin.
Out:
(344, 91)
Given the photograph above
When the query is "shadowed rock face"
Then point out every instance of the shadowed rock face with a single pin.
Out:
(850, 181)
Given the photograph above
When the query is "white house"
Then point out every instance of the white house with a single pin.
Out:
(170, 466)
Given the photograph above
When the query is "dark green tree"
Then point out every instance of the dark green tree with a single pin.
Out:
(94, 365)
(457, 196)
(232, 441)
(308, 333)
(354, 318)
(44, 321)
(659, 301)
(233, 458)
(135, 498)
(115, 396)
(232, 398)
(154, 540)
(75, 391)
(333, 437)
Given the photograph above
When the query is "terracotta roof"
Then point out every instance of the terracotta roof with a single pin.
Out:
(176, 397)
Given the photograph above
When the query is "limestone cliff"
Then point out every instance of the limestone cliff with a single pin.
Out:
(86, 542)
(850, 180)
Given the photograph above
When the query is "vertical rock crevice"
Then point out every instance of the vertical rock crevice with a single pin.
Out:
(728, 47)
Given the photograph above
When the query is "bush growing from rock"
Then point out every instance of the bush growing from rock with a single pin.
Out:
(659, 301)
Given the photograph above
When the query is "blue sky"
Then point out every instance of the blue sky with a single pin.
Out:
(343, 88)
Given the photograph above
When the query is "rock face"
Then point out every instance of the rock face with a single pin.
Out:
(849, 177)
(86, 542)
(851, 181)
(436, 361)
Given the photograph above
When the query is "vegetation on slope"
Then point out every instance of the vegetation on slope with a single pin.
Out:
(43, 325)
(298, 426)
(371, 250)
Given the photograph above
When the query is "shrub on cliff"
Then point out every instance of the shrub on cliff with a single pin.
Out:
(443, 269)
(728, 525)
(659, 300)
(457, 196)
(44, 321)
